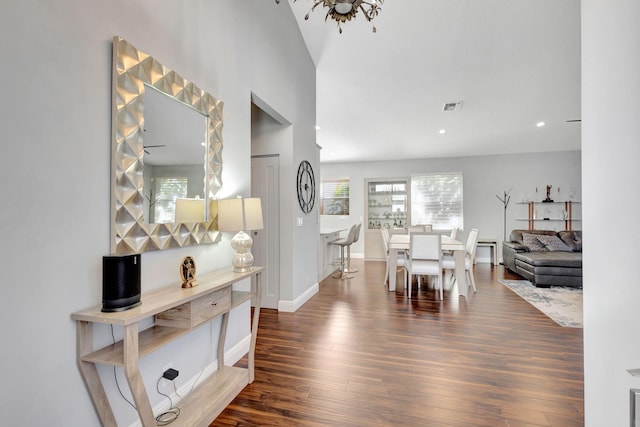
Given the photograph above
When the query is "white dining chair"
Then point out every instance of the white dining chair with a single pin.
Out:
(400, 261)
(454, 233)
(425, 259)
(420, 228)
(449, 264)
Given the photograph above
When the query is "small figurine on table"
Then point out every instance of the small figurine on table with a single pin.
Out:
(548, 199)
(188, 272)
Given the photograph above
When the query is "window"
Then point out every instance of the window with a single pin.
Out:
(334, 195)
(436, 198)
(169, 189)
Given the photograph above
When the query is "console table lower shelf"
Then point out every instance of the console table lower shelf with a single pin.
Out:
(177, 312)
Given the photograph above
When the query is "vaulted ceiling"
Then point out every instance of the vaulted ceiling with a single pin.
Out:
(512, 64)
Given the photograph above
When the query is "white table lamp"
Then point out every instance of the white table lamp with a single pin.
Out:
(240, 215)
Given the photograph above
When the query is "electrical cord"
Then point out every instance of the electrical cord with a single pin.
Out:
(195, 381)
(115, 376)
(171, 414)
(163, 419)
(175, 390)
(119, 390)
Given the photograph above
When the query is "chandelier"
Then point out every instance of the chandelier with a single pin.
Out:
(344, 10)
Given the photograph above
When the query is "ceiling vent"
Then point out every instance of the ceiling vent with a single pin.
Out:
(452, 106)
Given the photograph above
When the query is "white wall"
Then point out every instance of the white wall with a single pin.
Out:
(55, 167)
(484, 178)
(301, 80)
(298, 261)
(610, 153)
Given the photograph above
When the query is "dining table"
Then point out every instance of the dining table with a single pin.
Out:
(400, 243)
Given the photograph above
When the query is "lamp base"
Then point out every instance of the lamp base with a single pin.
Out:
(243, 258)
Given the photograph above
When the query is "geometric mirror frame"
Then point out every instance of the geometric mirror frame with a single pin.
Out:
(132, 70)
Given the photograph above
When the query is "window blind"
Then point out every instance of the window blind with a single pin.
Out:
(334, 197)
(436, 198)
(169, 189)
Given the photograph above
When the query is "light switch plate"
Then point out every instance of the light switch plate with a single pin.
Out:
(299, 221)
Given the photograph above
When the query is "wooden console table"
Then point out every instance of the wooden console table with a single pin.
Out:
(177, 312)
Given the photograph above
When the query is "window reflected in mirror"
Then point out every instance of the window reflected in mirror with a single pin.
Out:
(174, 145)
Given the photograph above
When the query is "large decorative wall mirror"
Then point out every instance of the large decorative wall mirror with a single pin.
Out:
(166, 156)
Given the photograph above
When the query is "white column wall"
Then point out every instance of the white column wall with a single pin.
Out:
(610, 153)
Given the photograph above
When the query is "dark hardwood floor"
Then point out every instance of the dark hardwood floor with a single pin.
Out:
(358, 355)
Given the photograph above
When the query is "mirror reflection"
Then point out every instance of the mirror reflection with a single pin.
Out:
(174, 136)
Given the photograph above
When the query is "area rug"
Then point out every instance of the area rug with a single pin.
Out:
(563, 305)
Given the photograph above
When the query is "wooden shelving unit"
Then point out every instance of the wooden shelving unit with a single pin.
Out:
(175, 306)
(532, 218)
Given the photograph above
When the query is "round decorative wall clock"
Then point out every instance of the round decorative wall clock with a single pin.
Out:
(306, 186)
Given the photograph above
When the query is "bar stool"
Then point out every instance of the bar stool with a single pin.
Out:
(355, 239)
(346, 242)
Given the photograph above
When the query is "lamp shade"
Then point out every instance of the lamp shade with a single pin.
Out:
(240, 214)
(230, 215)
(253, 214)
(189, 210)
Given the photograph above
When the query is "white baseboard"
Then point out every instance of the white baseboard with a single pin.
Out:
(292, 306)
(486, 260)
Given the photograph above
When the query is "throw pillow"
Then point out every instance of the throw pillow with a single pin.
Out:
(554, 244)
(572, 239)
(531, 242)
(578, 240)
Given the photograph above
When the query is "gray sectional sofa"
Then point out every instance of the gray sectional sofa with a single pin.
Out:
(545, 258)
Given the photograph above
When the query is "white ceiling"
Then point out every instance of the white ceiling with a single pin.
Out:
(513, 63)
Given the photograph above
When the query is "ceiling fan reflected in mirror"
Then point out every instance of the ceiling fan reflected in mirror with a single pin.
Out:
(574, 121)
(152, 146)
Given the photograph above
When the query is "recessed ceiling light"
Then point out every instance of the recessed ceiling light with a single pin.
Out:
(442, 131)
(540, 124)
(332, 153)
(317, 127)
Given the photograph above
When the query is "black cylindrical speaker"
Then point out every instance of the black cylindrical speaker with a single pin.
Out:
(120, 282)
